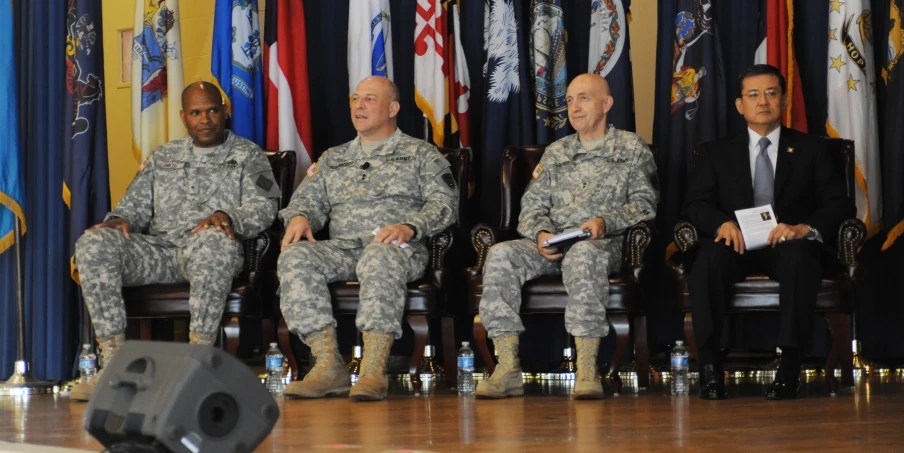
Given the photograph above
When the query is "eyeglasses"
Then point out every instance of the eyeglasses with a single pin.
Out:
(755, 95)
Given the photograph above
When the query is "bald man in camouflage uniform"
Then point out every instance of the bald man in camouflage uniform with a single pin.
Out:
(181, 220)
(601, 180)
(382, 180)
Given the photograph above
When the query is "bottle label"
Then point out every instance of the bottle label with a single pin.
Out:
(679, 361)
(87, 364)
(274, 362)
(466, 363)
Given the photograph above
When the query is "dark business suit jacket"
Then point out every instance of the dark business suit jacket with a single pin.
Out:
(809, 186)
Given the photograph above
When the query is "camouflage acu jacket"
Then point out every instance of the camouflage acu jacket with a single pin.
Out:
(175, 190)
(405, 180)
(615, 181)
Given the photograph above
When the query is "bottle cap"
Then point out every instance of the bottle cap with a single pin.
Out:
(465, 343)
(679, 343)
(272, 345)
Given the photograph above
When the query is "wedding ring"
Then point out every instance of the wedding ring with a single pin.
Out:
(227, 224)
(781, 239)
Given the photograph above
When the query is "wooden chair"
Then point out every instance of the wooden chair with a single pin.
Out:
(426, 296)
(247, 297)
(757, 293)
(547, 294)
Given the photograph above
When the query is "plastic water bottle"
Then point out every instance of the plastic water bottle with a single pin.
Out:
(465, 370)
(680, 385)
(275, 383)
(87, 364)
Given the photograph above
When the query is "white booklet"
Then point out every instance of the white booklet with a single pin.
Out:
(565, 239)
(756, 224)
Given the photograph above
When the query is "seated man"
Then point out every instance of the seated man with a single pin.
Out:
(766, 164)
(384, 193)
(601, 180)
(179, 221)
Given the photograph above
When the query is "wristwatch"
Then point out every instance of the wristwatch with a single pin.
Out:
(412, 229)
(811, 233)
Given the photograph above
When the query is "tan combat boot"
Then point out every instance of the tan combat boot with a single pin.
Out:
(329, 376)
(506, 380)
(81, 391)
(587, 386)
(200, 338)
(373, 384)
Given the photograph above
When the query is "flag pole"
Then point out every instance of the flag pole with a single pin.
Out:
(426, 128)
(21, 382)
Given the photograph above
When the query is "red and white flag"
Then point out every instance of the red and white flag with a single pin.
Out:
(460, 83)
(431, 88)
(777, 49)
(288, 102)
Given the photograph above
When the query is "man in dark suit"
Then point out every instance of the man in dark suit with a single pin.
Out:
(767, 164)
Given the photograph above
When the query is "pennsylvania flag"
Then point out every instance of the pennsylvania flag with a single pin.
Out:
(690, 96)
(236, 64)
(86, 181)
(12, 192)
(610, 57)
(893, 149)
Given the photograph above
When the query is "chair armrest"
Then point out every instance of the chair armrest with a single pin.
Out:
(438, 246)
(637, 239)
(483, 237)
(257, 251)
(851, 235)
(685, 236)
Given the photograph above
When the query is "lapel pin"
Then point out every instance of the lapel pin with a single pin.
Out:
(790, 150)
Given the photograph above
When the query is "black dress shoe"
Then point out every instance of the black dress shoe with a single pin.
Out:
(712, 385)
(780, 390)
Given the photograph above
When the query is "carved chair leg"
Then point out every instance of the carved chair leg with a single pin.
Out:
(449, 354)
(622, 329)
(231, 335)
(641, 351)
(689, 335)
(285, 345)
(480, 338)
(144, 328)
(839, 325)
(421, 329)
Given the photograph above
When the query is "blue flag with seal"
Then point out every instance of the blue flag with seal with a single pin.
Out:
(237, 66)
(508, 109)
(690, 96)
(549, 69)
(610, 56)
(12, 193)
(86, 179)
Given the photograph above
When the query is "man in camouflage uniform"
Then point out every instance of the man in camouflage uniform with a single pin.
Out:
(180, 221)
(382, 180)
(601, 180)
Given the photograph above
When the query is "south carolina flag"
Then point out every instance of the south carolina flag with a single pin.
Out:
(852, 100)
(156, 73)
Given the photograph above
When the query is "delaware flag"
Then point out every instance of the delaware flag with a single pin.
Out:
(12, 193)
(547, 59)
(610, 57)
(893, 146)
(156, 73)
(852, 100)
(86, 178)
(431, 72)
(288, 100)
(235, 62)
(776, 48)
(369, 41)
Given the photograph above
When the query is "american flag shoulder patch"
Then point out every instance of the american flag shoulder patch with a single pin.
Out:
(538, 171)
(313, 170)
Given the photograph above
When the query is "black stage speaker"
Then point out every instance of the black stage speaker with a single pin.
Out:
(179, 398)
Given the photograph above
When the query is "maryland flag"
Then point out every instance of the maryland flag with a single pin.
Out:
(431, 72)
(460, 84)
(156, 73)
(893, 146)
(852, 100)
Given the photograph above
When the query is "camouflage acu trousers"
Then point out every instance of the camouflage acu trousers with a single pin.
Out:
(383, 270)
(584, 270)
(107, 261)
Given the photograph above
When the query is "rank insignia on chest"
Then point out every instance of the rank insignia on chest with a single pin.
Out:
(313, 170)
(538, 171)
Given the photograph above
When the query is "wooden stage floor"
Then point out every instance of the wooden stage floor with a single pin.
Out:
(869, 417)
